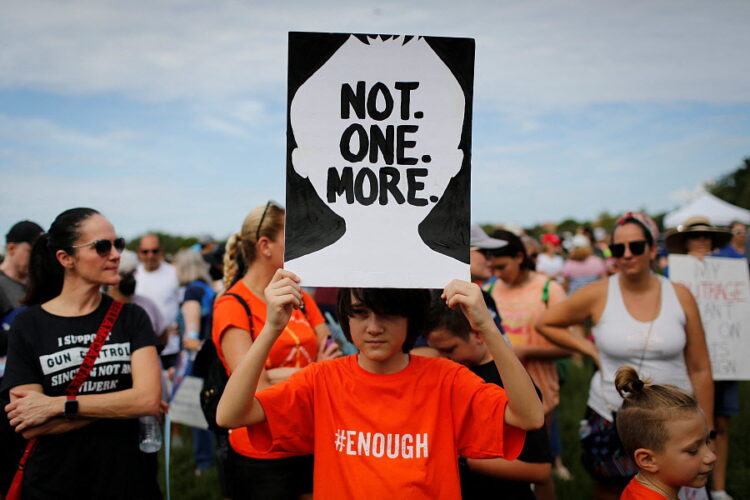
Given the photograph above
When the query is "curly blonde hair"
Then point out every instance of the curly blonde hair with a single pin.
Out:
(241, 247)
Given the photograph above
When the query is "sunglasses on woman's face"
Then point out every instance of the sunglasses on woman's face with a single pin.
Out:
(104, 247)
(636, 248)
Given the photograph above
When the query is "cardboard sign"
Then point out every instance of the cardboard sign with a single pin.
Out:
(378, 159)
(185, 407)
(722, 290)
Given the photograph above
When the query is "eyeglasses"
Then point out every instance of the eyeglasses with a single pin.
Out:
(104, 247)
(146, 251)
(636, 248)
(263, 217)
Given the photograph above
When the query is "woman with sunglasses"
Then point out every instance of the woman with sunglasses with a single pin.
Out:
(252, 258)
(88, 445)
(642, 320)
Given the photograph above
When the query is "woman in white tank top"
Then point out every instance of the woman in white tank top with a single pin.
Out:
(642, 320)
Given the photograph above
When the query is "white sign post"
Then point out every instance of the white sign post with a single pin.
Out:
(722, 289)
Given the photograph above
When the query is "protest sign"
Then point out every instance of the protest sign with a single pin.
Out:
(378, 159)
(185, 407)
(722, 290)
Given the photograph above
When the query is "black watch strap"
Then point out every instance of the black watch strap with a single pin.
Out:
(71, 406)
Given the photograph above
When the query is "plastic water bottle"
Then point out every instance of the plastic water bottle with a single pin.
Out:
(150, 434)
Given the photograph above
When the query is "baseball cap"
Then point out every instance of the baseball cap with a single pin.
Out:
(479, 239)
(23, 232)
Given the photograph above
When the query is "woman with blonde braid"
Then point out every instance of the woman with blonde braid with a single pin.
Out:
(252, 257)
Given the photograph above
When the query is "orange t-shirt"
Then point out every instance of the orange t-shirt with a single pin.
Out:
(520, 308)
(386, 436)
(297, 346)
(639, 491)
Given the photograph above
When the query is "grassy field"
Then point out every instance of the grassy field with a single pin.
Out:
(186, 486)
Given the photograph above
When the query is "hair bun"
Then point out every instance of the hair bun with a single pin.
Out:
(627, 381)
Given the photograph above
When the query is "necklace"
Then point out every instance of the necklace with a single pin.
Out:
(643, 352)
(652, 485)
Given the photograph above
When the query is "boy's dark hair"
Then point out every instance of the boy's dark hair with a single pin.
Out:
(411, 303)
(442, 317)
(512, 249)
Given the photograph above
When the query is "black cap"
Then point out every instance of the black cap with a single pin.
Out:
(23, 232)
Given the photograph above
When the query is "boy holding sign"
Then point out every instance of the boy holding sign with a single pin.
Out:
(383, 423)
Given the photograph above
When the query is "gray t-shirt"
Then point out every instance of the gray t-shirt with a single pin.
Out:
(11, 293)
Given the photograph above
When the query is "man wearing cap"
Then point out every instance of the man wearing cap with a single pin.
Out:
(14, 271)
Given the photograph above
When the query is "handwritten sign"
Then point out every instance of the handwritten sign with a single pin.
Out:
(185, 407)
(379, 148)
(722, 289)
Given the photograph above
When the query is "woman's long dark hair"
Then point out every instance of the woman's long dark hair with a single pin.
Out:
(512, 249)
(46, 274)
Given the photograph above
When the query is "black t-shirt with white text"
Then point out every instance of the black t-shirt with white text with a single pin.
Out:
(535, 450)
(101, 459)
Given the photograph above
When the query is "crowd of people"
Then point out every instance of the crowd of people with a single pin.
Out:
(94, 334)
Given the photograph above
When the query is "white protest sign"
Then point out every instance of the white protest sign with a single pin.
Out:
(185, 407)
(379, 144)
(722, 289)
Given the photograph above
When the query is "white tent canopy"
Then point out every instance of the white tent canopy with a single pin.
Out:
(718, 211)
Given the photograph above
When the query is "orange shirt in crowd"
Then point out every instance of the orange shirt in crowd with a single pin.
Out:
(386, 436)
(297, 346)
(520, 307)
(639, 491)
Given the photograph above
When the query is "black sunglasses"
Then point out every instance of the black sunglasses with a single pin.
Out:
(636, 248)
(263, 217)
(104, 247)
(146, 251)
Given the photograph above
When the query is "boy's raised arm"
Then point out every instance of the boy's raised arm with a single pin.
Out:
(524, 408)
(238, 406)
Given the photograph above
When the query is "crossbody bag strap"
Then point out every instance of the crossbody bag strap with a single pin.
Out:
(96, 346)
(246, 307)
(83, 372)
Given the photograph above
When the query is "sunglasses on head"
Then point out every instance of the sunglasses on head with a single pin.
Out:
(263, 217)
(636, 248)
(104, 247)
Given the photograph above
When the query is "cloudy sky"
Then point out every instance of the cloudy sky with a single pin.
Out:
(170, 115)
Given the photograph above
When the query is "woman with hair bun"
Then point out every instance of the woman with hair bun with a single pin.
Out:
(641, 319)
(664, 431)
(252, 258)
(88, 443)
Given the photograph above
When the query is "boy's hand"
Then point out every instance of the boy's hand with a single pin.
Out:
(468, 296)
(283, 295)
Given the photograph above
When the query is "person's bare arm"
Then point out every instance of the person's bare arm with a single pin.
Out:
(238, 406)
(191, 313)
(30, 408)
(697, 360)
(57, 425)
(554, 322)
(235, 342)
(524, 409)
(514, 470)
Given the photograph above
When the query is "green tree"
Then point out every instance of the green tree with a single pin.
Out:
(734, 187)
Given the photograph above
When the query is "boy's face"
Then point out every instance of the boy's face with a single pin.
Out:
(379, 338)
(470, 352)
(686, 459)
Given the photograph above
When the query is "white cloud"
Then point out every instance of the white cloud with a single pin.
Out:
(536, 53)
